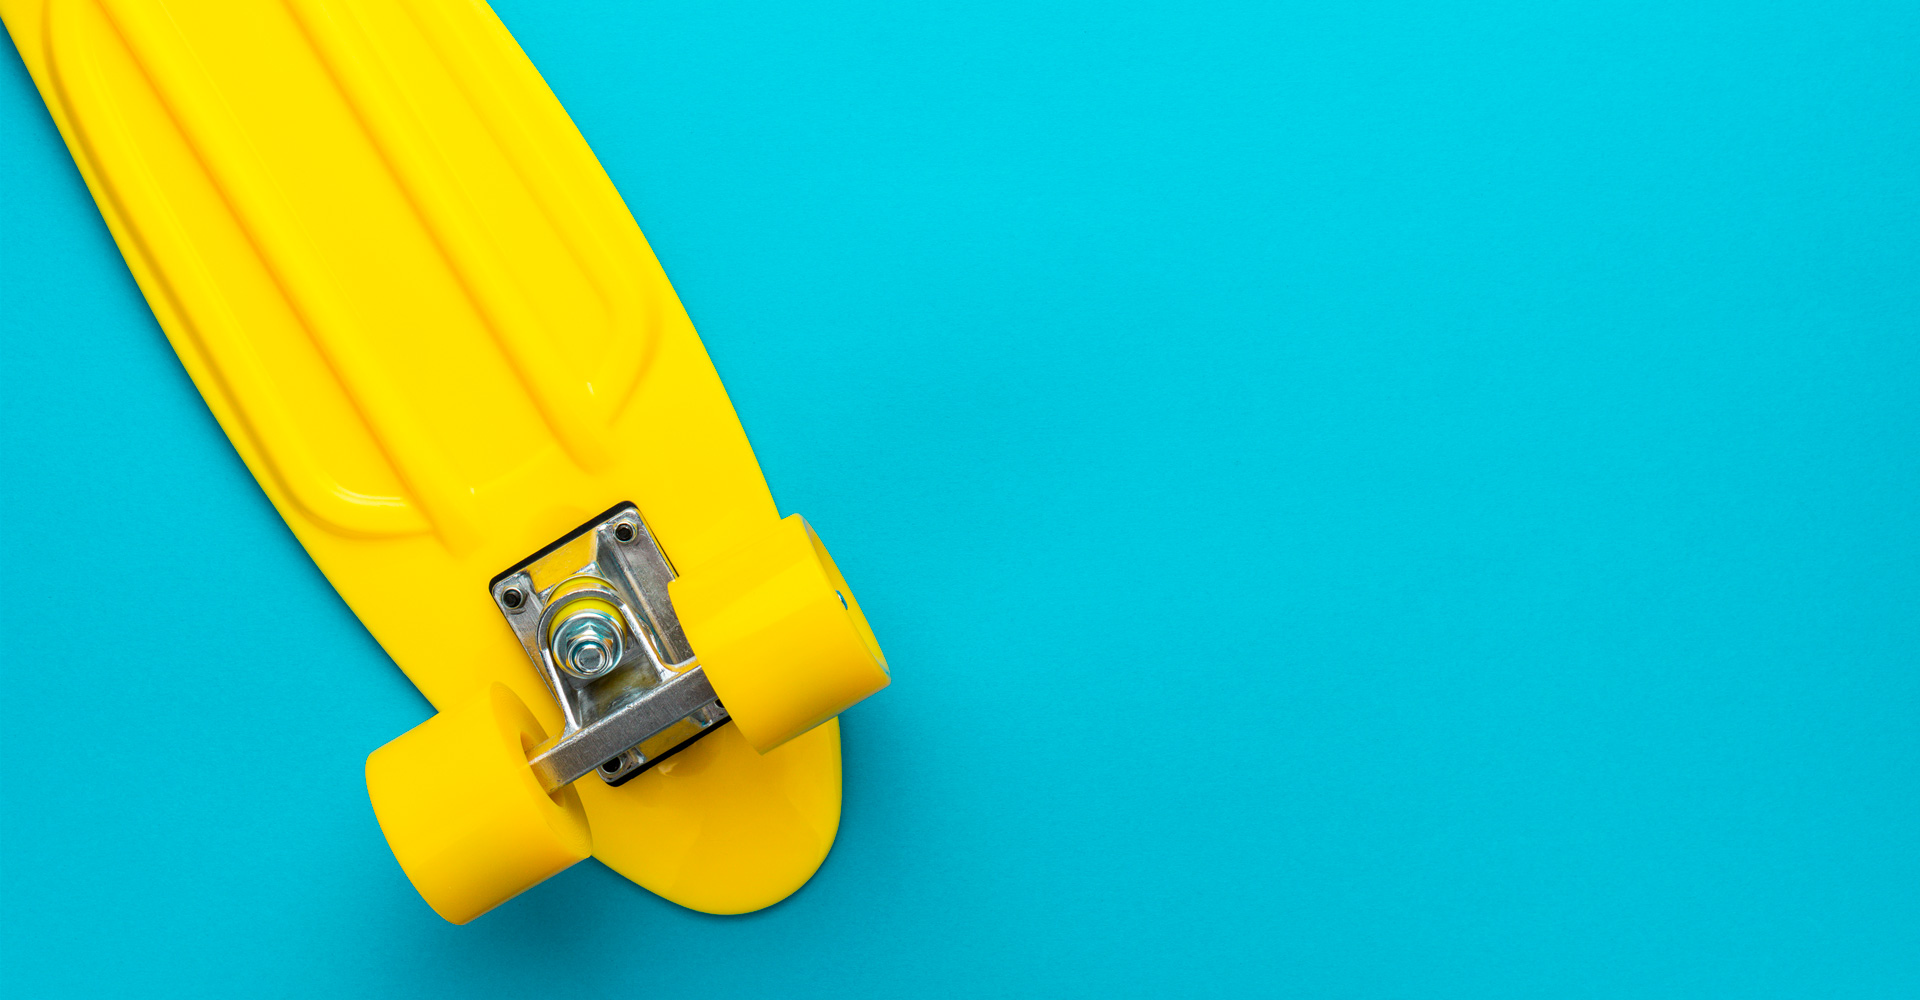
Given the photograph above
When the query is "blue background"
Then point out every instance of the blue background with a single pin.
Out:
(1362, 499)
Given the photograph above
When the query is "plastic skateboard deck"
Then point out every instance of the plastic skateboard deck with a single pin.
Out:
(429, 325)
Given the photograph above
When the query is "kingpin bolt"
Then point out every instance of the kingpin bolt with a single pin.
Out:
(588, 643)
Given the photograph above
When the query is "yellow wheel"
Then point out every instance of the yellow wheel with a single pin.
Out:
(779, 634)
(463, 812)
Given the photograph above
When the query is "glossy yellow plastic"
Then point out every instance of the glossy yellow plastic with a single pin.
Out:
(465, 816)
(431, 328)
(779, 633)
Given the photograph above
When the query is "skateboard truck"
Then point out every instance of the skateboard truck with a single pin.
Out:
(593, 614)
(478, 802)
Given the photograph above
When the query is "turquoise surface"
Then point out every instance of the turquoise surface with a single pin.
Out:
(1362, 499)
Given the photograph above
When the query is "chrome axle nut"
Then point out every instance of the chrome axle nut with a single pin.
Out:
(588, 643)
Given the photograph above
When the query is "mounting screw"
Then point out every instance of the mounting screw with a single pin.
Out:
(511, 598)
(623, 531)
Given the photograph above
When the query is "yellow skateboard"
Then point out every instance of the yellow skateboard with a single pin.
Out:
(430, 326)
